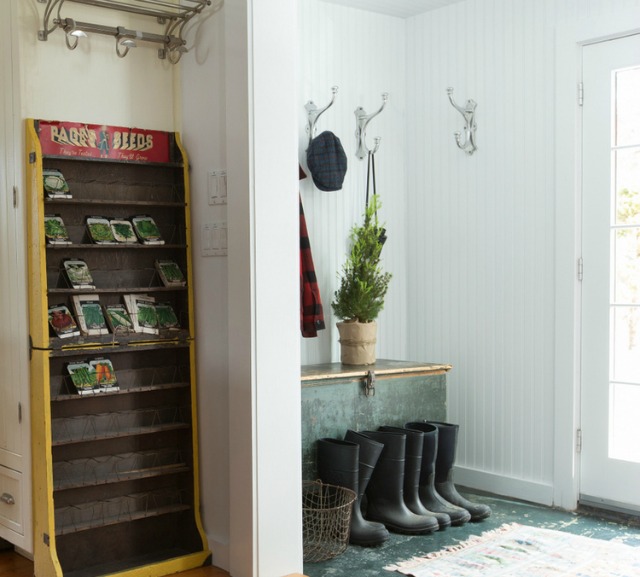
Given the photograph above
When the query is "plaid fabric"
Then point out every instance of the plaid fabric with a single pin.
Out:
(327, 161)
(311, 314)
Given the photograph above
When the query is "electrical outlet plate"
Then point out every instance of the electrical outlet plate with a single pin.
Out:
(214, 239)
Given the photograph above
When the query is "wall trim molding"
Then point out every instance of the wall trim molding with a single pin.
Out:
(220, 551)
(505, 486)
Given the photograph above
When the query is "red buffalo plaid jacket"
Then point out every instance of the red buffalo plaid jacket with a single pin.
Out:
(311, 314)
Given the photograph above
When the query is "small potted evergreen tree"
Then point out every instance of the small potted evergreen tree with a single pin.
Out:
(363, 286)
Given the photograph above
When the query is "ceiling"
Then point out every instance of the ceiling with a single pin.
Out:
(400, 8)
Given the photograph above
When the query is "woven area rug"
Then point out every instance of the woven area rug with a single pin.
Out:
(519, 551)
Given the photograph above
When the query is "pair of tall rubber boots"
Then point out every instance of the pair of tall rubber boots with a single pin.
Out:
(407, 474)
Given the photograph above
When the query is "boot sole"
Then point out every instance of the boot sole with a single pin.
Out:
(405, 531)
(369, 543)
(475, 519)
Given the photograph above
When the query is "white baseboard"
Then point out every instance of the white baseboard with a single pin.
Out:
(219, 553)
(504, 486)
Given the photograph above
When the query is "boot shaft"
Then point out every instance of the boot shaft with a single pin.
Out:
(447, 444)
(338, 463)
(413, 454)
(369, 453)
(429, 447)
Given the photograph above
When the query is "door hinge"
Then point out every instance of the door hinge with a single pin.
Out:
(580, 269)
(579, 441)
(19, 412)
(15, 197)
(580, 93)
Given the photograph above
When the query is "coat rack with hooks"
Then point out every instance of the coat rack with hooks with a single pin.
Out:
(468, 113)
(313, 113)
(362, 121)
(174, 16)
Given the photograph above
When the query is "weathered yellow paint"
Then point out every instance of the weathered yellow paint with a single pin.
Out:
(38, 322)
(168, 567)
(192, 351)
(44, 556)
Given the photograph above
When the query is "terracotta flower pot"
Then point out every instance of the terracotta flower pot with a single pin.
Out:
(357, 342)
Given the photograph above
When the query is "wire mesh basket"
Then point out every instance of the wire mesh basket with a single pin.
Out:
(326, 520)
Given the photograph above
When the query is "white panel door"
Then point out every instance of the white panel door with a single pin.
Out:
(610, 399)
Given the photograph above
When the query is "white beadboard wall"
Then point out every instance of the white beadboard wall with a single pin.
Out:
(482, 229)
(363, 53)
(471, 238)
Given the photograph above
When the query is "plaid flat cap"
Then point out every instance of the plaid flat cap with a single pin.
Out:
(327, 161)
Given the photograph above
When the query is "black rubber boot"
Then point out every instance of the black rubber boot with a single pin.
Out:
(385, 495)
(430, 498)
(412, 468)
(447, 442)
(341, 463)
(363, 532)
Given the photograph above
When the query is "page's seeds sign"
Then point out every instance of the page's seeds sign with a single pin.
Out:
(77, 140)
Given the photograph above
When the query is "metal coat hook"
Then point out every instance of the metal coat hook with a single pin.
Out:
(313, 112)
(362, 120)
(468, 113)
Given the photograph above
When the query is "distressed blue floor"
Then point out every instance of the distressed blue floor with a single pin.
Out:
(370, 562)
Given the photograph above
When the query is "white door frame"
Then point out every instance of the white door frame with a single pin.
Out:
(570, 39)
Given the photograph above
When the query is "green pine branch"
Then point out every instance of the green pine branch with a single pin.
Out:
(363, 283)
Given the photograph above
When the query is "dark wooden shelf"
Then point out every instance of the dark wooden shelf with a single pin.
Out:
(109, 344)
(133, 432)
(121, 246)
(155, 289)
(128, 518)
(128, 476)
(122, 391)
(56, 203)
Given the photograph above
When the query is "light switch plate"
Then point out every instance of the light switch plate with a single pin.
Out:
(217, 187)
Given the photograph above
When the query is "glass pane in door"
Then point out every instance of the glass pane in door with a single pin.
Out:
(625, 431)
(627, 184)
(624, 386)
(627, 119)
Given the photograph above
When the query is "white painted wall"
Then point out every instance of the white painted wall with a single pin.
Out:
(91, 83)
(237, 105)
(483, 229)
(204, 134)
(364, 54)
(477, 235)
(273, 61)
(491, 225)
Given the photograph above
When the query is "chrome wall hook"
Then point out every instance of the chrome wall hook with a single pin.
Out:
(468, 144)
(313, 113)
(362, 121)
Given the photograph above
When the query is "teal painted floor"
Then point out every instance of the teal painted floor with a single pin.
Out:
(370, 562)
